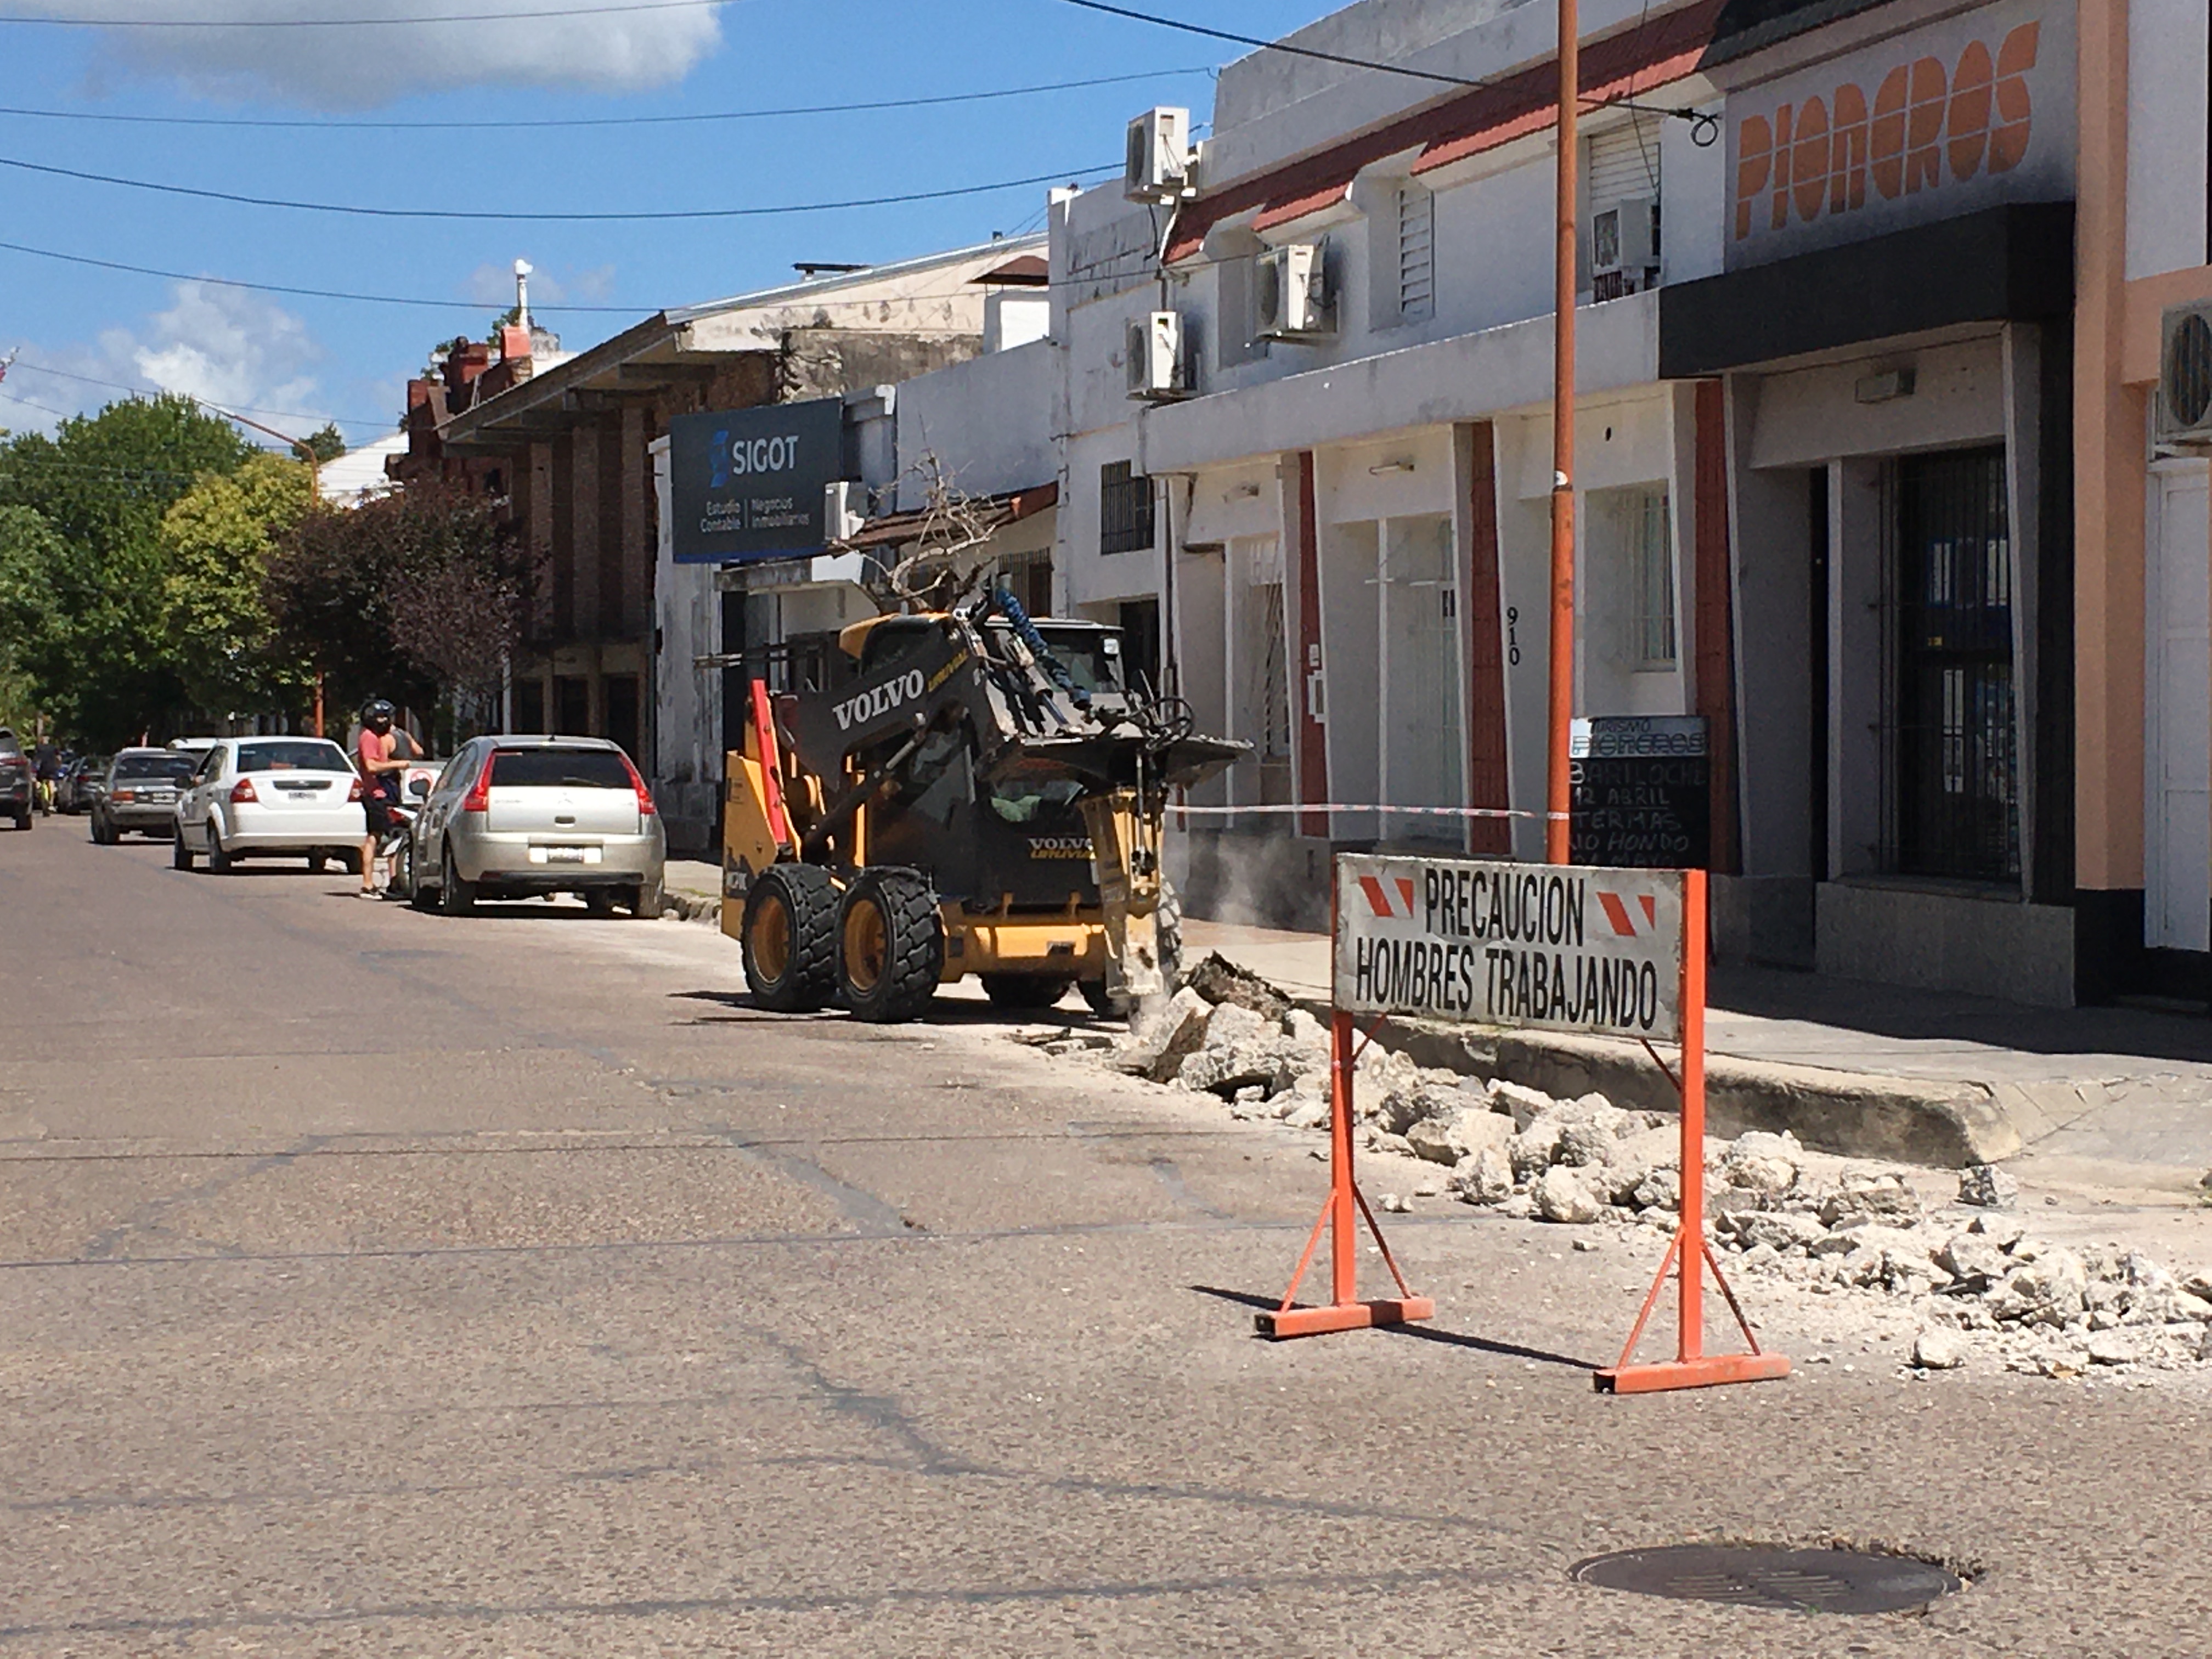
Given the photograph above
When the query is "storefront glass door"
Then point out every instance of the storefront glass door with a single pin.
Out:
(1954, 760)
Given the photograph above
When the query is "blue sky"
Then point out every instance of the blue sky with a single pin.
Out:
(309, 359)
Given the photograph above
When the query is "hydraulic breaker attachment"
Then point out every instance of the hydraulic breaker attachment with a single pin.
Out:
(1125, 828)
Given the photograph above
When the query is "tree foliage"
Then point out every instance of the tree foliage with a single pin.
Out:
(325, 444)
(415, 596)
(218, 539)
(84, 572)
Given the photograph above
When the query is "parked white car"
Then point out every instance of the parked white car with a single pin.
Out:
(271, 798)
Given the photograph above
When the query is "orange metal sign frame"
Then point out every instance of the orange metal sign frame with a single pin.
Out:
(1689, 1255)
(1341, 1213)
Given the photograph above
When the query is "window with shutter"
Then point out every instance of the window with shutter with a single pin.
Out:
(1624, 162)
(1417, 225)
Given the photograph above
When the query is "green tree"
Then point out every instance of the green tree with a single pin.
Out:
(83, 578)
(217, 540)
(327, 444)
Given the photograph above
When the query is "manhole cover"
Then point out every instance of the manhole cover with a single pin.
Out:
(1768, 1575)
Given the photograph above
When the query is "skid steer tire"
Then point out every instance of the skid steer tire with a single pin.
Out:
(1024, 990)
(891, 948)
(790, 939)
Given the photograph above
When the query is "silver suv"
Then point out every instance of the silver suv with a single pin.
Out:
(520, 816)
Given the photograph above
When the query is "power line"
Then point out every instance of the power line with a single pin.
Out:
(486, 215)
(1701, 123)
(257, 122)
(361, 22)
(797, 297)
(1263, 44)
(296, 292)
(156, 391)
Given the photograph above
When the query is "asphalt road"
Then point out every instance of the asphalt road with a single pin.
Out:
(374, 1283)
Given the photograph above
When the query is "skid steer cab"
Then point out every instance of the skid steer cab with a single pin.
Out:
(987, 796)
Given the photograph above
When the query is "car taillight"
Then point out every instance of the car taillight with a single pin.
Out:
(354, 792)
(241, 792)
(125, 794)
(644, 794)
(478, 799)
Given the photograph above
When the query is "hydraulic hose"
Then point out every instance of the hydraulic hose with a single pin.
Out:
(1026, 631)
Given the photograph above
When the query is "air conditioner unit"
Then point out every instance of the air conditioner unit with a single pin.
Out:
(1157, 363)
(844, 510)
(1625, 247)
(1293, 300)
(1158, 167)
(2185, 379)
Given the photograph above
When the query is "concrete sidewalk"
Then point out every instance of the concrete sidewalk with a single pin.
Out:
(2104, 1097)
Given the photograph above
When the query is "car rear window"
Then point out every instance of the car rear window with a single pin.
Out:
(157, 766)
(559, 769)
(295, 757)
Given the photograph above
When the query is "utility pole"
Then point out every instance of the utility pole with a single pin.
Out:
(1565, 263)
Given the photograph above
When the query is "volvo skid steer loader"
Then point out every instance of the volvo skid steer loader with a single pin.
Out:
(988, 796)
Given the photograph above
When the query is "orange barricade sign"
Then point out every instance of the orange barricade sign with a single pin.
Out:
(1555, 947)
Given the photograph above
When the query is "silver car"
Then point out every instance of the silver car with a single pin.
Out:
(518, 816)
(141, 793)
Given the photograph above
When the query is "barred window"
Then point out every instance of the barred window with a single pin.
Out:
(1124, 509)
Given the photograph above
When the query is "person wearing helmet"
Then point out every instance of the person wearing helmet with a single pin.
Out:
(376, 752)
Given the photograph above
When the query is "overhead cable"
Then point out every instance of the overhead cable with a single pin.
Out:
(1259, 44)
(166, 392)
(794, 295)
(487, 215)
(361, 22)
(262, 122)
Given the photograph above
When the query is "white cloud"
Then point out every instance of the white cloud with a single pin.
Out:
(358, 68)
(230, 347)
(235, 349)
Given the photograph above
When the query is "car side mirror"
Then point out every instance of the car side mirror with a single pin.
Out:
(420, 788)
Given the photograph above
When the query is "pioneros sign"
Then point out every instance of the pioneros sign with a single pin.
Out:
(1556, 947)
(747, 483)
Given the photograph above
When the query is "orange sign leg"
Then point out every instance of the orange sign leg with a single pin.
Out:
(1341, 1215)
(1689, 1255)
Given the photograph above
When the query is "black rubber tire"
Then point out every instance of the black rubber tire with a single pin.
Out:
(646, 900)
(316, 862)
(181, 855)
(219, 860)
(1024, 990)
(808, 901)
(350, 860)
(912, 946)
(1105, 1003)
(23, 820)
(599, 901)
(456, 897)
(102, 834)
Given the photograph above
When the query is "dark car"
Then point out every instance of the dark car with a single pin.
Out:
(81, 784)
(140, 793)
(17, 770)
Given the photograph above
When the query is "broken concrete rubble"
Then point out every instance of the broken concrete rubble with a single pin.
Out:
(1982, 1287)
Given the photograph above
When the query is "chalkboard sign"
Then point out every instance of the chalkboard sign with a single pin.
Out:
(1642, 798)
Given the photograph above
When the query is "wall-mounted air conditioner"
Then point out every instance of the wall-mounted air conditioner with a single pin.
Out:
(1625, 247)
(844, 510)
(1293, 300)
(1158, 167)
(2185, 379)
(1157, 362)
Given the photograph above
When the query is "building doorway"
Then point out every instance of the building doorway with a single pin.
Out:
(2178, 638)
(1954, 762)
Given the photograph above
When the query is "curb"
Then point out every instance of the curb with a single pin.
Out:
(1944, 1125)
(691, 907)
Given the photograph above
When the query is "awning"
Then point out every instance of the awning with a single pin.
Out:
(995, 512)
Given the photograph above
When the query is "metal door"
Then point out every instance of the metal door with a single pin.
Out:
(2177, 908)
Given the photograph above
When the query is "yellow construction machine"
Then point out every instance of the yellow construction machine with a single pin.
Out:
(987, 796)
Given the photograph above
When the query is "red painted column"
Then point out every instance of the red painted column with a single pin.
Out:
(1313, 733)
(1487, 783)
(1715, 630)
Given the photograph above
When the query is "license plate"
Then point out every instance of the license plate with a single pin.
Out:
(298, 795)
(564, 855)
